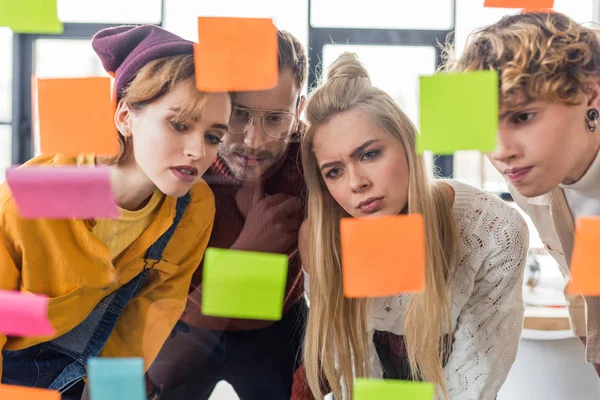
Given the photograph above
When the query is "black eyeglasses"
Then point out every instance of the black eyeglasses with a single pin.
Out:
(276, 124)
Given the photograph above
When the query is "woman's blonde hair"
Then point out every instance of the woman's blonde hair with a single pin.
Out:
(154, 80)
(337, 342)
(538, 56)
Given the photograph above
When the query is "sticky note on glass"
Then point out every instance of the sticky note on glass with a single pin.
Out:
(525, 4)
(30, 16)
(236, 54)
(379, 389)
(383, 256)
(76, 115)
(116, 379)
(63, 192)
(459, 111)
(24, 314)
(585, 274)
(243, 284)
(27, 393)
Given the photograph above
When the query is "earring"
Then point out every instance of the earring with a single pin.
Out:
(592, 119)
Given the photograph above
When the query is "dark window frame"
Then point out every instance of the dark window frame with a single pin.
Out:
(23, 67)
(319, 37)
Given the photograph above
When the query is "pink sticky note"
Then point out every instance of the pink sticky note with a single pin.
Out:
(63, 192)
(24, 314)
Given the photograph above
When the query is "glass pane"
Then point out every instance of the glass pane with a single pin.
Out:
(292, 16)
(49, 63)
(50, 56)
(471, 167)
(223, 391)
(389, 71)
(383, 14)
(5, 150)
(6, 74)
(468, 167)
(475, 168)
(110, 11)
(492, 179)
(470, 15)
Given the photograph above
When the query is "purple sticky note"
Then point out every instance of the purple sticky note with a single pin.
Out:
(24, 314)
(63, 192)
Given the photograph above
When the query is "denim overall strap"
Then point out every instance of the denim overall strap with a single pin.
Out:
(88, 338)
(155, 251)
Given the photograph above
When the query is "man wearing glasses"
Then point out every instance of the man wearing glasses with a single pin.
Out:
(258, 185)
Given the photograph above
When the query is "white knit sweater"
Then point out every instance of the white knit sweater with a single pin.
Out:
(485, 293)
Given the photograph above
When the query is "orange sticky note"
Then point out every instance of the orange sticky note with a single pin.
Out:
(530, 5)
(76, 115)
(235, 54)
(585, 262)
(26, 393)
(383, 256)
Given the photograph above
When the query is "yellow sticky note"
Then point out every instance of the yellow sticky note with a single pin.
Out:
(244, 284)
(30, 16)
(379, 389)
(459, 111)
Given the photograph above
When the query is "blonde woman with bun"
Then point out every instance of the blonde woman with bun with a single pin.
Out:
(462, 332)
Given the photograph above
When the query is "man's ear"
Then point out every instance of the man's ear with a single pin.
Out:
(123, 119)
(593, 95)
(301, 105)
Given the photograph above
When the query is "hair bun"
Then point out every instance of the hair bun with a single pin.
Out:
(347, 66)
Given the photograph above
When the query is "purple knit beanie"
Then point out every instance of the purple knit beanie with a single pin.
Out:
(124, 50)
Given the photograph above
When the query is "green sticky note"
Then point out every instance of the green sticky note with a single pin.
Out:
(116, 379)
(30, 16)
(379, 389)
(459, 111)
(243, 284)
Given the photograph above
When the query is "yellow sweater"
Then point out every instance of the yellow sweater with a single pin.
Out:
(64, 260)
(118, 234)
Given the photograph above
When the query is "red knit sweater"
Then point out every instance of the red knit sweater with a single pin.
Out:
(285, 177)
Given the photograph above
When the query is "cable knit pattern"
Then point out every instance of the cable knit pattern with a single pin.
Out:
(485, 292)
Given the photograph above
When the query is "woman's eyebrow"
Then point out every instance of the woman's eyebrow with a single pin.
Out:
(362, 147)
(220, 126)
(354, 153)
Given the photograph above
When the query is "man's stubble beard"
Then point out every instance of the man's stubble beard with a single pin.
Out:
(249, 173)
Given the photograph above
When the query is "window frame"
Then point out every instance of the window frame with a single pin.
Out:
(7, 121)
(318, 37)
(23, 71)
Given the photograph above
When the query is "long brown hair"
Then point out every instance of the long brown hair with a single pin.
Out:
(337, 343)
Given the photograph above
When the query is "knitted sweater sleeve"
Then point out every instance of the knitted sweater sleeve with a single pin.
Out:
(488, 327)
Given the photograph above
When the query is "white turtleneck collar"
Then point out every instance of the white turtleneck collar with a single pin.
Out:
(583, 196)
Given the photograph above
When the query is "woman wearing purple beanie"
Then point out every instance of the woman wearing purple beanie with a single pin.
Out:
(117, 287)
